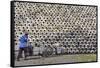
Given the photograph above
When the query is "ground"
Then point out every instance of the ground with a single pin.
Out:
(37, 60)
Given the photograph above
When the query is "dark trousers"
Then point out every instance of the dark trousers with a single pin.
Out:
(20, 52)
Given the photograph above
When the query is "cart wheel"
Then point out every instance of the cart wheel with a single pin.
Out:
(48, 52)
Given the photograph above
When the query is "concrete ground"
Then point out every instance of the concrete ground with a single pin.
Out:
(37, 60)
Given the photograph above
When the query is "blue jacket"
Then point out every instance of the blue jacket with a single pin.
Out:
(23, 41)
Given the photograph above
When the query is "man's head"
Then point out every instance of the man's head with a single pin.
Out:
(25, 32)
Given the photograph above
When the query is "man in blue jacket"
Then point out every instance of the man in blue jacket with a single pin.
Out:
(23, 45)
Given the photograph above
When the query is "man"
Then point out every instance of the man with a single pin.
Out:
(23, 45)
